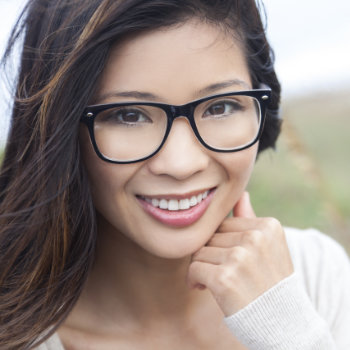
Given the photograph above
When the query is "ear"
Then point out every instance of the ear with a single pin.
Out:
(243, 208)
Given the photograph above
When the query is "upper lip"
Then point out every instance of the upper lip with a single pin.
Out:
(176, 195)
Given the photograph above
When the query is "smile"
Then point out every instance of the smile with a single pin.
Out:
(178, 211)
(175, 204)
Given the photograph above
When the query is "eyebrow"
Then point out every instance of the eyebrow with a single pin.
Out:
(134, 94)
(148, 96)
(222, 85)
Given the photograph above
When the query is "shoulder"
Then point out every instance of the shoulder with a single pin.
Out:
(324, 270)
(314, 252)
(53, 343)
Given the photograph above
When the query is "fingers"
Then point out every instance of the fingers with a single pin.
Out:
(240, 224)
(200, 274)
(211, 255)
(245, 257)
(244, 217)
(225, 239)
(216, 255)
(243, 207)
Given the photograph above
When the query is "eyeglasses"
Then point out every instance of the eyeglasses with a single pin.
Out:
(130, 132)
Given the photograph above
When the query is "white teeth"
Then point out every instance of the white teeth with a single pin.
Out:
(155, 202)
(193, 201)
(174, 204)
(184, 204)
(163, 204)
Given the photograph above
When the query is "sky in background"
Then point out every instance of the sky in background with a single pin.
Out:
(310, 39)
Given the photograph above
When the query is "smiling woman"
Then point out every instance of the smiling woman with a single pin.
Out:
(181, 168)
(135, 130)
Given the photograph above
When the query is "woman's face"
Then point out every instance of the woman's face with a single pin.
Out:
(174, 66)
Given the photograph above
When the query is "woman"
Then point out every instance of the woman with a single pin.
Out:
(135, 129)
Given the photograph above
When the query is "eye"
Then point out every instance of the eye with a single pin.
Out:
(132, 117)
(125, 116)
(223, 108)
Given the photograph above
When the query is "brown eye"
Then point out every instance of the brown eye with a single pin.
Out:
(125, 116)
(222, 109)
(217, 109)
(131, 117)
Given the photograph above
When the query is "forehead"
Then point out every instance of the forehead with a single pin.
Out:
(175, 64)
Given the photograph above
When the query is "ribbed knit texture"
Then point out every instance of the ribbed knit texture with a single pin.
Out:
(281, 318)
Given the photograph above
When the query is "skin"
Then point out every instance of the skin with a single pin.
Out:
(155, 286)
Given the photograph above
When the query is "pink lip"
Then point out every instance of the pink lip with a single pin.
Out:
(179, 218)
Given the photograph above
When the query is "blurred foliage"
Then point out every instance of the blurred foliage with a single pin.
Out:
(306, 181)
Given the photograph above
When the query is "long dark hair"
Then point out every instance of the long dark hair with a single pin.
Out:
(47, 219)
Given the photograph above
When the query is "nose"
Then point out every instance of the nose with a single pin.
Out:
(182, 155)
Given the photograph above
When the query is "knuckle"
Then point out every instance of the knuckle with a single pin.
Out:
(272, 223)
(275, 229)
(253, 237)
(194, 267)
(237, 255)
(224, 278)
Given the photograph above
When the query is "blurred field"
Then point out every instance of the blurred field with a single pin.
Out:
(306, 181)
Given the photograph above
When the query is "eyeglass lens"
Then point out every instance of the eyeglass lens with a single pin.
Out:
(133, 132)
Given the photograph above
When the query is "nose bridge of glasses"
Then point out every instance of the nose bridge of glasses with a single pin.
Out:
(182, 111)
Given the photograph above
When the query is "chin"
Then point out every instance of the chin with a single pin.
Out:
(180, 251)
(178, 243)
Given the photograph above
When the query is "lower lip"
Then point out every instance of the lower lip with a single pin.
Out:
(178, 218)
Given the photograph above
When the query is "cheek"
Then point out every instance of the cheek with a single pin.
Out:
(239, 165)
(108, 183)
(107, 180)
(237, 169)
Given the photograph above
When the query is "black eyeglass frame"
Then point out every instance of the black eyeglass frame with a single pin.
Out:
(172, 111)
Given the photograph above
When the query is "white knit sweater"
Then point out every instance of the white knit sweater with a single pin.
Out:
(309, 310)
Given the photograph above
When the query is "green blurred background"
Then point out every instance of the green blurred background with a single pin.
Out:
(305, 181)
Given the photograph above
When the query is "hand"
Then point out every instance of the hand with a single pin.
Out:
(244, 258)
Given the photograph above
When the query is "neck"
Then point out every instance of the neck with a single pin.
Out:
(129, 283)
